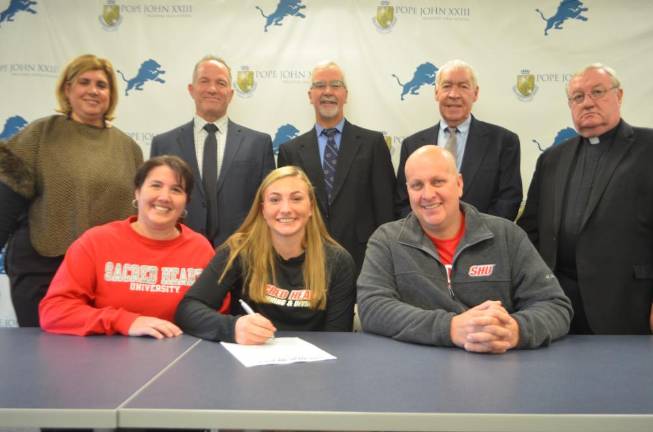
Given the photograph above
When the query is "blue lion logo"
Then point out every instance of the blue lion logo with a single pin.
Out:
(149, 71)
(16, 6)
(284, 8)
(562, 136)
(284, 133)
(567, 9)
(13, 125)
(424, 75)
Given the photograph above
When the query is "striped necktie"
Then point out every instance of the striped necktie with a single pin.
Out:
(330, 160)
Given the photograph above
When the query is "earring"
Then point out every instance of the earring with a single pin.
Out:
(135, 204)
(184, 214)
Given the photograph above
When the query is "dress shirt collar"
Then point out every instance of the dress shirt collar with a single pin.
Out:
(319, 128)
(221, 123)
(463, 128)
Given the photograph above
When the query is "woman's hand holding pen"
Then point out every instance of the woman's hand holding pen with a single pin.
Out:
(253, 328)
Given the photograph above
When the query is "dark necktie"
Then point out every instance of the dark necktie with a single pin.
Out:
(452, 144)
(330, 160)
(210, 178)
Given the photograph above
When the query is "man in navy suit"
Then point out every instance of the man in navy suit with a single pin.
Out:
(589, 210)
(229, 161)
(486, 155)
(350, 167)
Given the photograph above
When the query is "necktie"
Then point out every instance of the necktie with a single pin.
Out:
(330, 160)
(210, 178)
(452, 144)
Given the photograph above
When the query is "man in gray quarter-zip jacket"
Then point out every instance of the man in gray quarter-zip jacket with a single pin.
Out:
(448, 275)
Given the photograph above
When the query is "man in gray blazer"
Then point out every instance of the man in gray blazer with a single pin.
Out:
(229, 161)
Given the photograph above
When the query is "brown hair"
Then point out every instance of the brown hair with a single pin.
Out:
(175, 163)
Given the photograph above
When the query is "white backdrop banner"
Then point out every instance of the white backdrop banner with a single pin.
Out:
(523, 51)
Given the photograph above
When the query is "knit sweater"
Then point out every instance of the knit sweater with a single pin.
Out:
(72, 176)
(112, 274)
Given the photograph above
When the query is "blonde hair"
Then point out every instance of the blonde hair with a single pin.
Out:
(252, 243)
(79, 65)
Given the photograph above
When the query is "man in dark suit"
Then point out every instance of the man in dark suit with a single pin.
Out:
(228, 160)
(589, 210)
(350, 167)
(486, 155)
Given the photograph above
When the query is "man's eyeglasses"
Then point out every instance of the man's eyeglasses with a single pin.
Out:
(321, 85)
(595, 94)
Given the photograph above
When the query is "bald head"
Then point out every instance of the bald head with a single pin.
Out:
(433, 153)
(434, 190)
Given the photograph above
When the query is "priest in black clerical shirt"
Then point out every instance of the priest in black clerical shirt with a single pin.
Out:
(589, 210)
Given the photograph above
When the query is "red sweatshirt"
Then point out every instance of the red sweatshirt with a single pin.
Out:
(111, 275)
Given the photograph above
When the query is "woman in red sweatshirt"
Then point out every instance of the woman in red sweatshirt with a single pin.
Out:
(128, 276)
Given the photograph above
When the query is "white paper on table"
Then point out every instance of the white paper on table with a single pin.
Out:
(282, 350)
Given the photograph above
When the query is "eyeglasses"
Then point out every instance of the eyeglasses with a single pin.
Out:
(321, 85)
(595, 94)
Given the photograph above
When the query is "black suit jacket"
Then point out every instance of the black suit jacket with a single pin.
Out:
(248, 158)
(363, 189)
(490, 169)
(614, 253)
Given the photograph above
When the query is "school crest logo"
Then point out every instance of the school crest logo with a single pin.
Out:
(150, 70)
(110, 17)
(245, 83)
(562, 136)
(567, 9)
(385, 17)
(285, 8)
(525, 88)
(424, 75)
(284, 134)
(13, 125)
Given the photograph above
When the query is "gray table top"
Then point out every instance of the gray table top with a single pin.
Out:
(68, 381)
(580, 382)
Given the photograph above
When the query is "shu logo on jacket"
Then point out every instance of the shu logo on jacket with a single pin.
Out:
(481, 270)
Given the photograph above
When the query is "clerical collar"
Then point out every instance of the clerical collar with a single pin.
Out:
(606, 137)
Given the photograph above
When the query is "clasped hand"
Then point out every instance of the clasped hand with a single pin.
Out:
(486, 328)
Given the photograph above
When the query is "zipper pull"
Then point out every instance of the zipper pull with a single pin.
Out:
(448, 268)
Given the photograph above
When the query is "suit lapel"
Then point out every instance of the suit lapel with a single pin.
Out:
(349, 145)
(309, 154)
(622, 143)
(430, 136)
(475, 150)
(231, 148)
(566, 159)
(186, 141)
